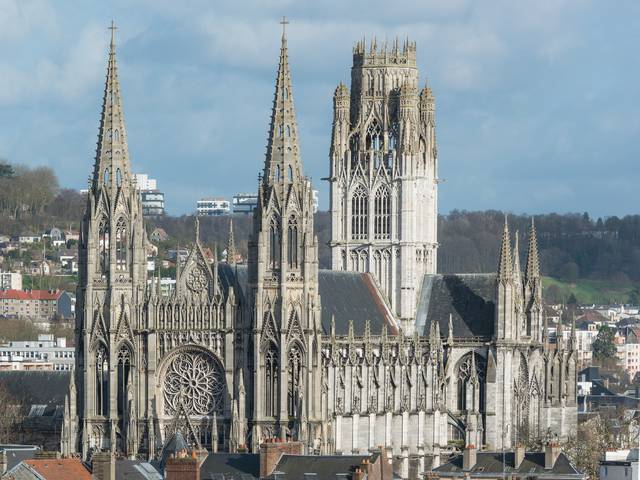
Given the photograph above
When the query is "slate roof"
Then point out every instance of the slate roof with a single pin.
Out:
(136, 470)
(18, 453)
(489, 463)
(345, 296)
(324, 466)
(468, 298)
(37, 387)
(351, 296)
(231, 466)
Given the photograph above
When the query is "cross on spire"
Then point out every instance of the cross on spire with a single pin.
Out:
(284, 22)
(113, 29)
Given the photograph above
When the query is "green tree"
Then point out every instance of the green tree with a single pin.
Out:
(604, 348)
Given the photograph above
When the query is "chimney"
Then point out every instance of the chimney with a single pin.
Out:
(519, 457)
(3, 462)
(551, 453)
(358, 474)
(185, 468)
(103, 466)
(272, 450)
(469, 457)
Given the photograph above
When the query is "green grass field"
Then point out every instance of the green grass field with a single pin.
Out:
(589, 291)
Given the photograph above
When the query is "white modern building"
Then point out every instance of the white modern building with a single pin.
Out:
(213, 207)
(46, 350)
(152, 199)
(10, 281)
(245, 202)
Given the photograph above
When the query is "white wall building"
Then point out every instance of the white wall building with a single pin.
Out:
(152, 199)
(244, 202)
(10, 281)
(213, 206)
(45, 349)
(620, 465)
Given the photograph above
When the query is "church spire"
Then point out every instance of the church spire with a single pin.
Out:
(231, 245)
(505, 266)
(532, 271)
(282, 162)
(516, 260)
(112, 169)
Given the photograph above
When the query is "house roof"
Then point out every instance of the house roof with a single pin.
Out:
(18, 453)
(468, 298)
(230, 466)
(497, 462)
(324, 466)
(30, 294)
(136, 470)
(52, 469)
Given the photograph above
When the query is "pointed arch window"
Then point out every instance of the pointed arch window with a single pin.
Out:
(274, 243)
(118, 178)
(354, 147)
(292, 243)
(382, 216)
(374, 137)
(290, 171)
(106, 177)
(121, 245)
(294, 375)
(271, 380)
(464, 376)
(103, 246)
(116, 135)
(102, 380)
(359, 214)
(124, 379)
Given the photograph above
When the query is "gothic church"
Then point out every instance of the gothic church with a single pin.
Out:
(380, 350)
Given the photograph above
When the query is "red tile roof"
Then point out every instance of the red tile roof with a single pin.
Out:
(30, 294)
(60, 468)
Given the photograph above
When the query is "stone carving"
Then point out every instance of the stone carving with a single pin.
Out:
(197, 279)
(196, 379)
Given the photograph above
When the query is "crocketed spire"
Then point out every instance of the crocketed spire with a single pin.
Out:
(505, 266)
(112, 167)
(231, 245)
(532, 271)
(516, 260)
(282, 162)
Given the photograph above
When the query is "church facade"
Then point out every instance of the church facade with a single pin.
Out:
(379, 350)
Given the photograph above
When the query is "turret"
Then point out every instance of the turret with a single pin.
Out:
(533, 288)
(505, 312)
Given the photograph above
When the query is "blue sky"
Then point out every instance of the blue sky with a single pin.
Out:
(537, 102)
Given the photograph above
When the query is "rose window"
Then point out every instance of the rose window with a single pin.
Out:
(197, 279)
(196, 380)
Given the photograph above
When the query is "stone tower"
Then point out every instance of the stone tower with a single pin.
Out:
(384, 174)
(283, 284)
(111, 286)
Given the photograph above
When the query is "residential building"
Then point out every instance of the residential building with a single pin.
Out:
(548, 465)
(213, 207)
(158, 235)
(619, 465)
(167, 285)
(10, 281)
(152, 199)
(46, 349)
(37, 305)
(245, 202)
